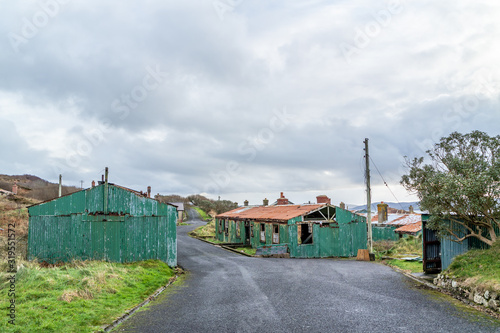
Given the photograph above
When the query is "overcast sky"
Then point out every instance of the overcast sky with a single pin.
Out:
(242, 99)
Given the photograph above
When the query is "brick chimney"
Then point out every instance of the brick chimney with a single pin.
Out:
(342, 205)
(265, 202)
(411, 209)
(282, 200)
(14, 188)
(149, 191)
(382, 212)
(245, 203)
(323, 199)
(93, 183)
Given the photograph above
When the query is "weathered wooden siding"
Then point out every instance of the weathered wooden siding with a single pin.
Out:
(74, 227)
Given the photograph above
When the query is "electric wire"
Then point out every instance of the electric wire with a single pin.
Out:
(385, 183)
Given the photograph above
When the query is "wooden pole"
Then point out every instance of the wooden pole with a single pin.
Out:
(368, 199)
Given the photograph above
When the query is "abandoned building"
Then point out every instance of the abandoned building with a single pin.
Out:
(393, 226)
(301, 231)
(105, 222)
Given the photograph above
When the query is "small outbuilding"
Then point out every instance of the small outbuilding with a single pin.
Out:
(300, 231)
(105, 222)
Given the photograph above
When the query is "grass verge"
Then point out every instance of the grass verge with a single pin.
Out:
(204, 216)
(408, 266)
(78, 296)
(247, 250)
(207, 230)
(478, 268)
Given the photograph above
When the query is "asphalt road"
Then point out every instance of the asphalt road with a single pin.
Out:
(226, 292)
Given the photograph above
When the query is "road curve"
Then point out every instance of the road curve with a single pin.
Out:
(226, 292)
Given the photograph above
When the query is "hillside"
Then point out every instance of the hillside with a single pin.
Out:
(397, 206)
(34, 187)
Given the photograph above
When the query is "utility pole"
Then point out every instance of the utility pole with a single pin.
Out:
(81, 184)
(368, 198)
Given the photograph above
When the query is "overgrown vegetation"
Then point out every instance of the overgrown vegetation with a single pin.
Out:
(34, 187)
(204, 216)
(78, 296)
(405, 247)
(205, 231)
(478, 267)
(209, 205)
(460, 187)
(13, 213)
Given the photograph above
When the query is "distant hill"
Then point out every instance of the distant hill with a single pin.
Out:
(398, 206)
(34, 187)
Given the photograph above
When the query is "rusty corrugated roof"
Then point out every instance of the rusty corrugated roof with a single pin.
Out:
(410, 228)
(270, 213)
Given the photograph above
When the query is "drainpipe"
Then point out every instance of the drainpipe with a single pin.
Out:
(106, 191)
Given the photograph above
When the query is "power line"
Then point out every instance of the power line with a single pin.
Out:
(386, 183)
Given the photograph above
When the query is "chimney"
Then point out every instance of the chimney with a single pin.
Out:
(14, 188)
(282, 200)
(60, 185)
(245, 203)
(323, 199)
(93, 183)
(382, 212)
(411, 209)
(265, 202)
(342, 205)
(149, 191)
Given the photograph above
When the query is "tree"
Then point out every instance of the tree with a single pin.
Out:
(460, 187)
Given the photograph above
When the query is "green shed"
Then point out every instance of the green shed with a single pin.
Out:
(302, 231)
(105, 222)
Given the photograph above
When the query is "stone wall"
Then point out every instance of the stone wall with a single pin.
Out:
(486, 298)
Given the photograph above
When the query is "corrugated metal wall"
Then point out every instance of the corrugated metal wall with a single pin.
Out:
(384, 233)
(329, 240)
(74, 227)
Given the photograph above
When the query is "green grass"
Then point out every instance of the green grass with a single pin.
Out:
(247, 250)
(78, 296)
(207, 230)
(478, 268)
(412, 266)
(406, 246)
(203, 214)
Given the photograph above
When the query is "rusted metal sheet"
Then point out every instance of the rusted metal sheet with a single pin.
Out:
(77, 227)
(269, 213)
(341, 237)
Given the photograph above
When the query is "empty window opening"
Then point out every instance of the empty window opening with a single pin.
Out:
(263, 232)
(220, 226)
(276, 234)
(306, 234)
(226, 226)
(237, 229)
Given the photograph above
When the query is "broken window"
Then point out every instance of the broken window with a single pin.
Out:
(220, 226)
(226, 226)
(306, 233)
(276, 234)
(237, 229)
(262, 232)
(251, 230)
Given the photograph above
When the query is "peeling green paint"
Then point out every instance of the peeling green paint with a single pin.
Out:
(75, 227)
(341, 238)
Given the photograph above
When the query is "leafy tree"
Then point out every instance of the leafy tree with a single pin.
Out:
(460, 187)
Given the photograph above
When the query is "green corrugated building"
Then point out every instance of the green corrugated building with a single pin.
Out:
(105, 222)
(302, 231)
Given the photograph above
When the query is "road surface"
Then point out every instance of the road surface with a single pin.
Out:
(226, 292)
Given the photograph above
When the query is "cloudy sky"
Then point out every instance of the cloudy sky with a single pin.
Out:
(242, 99)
